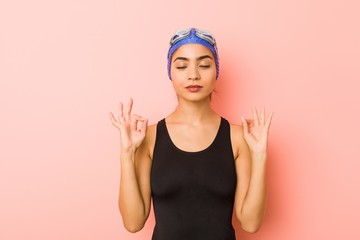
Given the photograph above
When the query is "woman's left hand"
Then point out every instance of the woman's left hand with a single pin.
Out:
(256, 131)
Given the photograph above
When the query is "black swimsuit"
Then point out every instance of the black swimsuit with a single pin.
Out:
(193, 192)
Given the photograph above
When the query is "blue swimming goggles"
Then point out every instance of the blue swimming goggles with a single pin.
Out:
(181, 34)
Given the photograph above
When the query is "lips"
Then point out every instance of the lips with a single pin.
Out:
(194, 88)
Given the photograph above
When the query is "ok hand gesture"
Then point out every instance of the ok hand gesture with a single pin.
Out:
(132, 127)
(256, 131)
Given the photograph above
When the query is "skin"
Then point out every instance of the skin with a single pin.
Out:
(192, 127)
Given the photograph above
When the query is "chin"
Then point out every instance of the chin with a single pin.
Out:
(197, 98)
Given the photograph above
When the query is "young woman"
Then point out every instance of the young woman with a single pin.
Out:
(196, 167)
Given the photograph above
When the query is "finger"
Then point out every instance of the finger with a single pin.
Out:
(138, 117)
(129, 108)
(144, 126)
(113, 120)
(262, 116)
(255, 116)
(268, 121)
(121, 113)
(245, 126)
(134, 121)
(250, 123)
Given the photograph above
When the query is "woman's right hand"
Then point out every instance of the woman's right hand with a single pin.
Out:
(132, 127)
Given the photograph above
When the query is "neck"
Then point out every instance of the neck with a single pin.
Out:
(193, 112)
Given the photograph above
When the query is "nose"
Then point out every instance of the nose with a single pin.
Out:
(193, 73)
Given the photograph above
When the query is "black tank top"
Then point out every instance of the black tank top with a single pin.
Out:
(193, 192)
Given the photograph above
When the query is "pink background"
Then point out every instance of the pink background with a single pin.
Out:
(65, 64)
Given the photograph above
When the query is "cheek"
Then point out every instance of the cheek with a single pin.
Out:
(172, 72)
(175, 73)
(210, 74)
(214, 70)
(178, 88)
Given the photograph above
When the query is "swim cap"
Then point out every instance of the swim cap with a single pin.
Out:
(193, 36)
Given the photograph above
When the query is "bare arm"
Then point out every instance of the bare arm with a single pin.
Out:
(135, 162)
(251, 169)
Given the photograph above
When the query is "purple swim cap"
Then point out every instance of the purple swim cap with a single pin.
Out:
(190, 36)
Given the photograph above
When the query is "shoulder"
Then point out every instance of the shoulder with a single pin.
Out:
(151, 131)
(237, 140)
(150, 137)
(236, 132)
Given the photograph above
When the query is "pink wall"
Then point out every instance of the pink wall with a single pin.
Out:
(65, 64)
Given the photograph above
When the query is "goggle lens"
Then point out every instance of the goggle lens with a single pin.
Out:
(200, 33)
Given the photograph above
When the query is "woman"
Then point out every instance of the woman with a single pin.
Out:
(196, 167)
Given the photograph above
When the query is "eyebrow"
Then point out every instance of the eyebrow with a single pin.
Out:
(187, 59)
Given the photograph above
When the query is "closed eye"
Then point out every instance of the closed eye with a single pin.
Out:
(181, 67)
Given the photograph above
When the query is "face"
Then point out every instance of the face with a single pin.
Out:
(193, 72)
